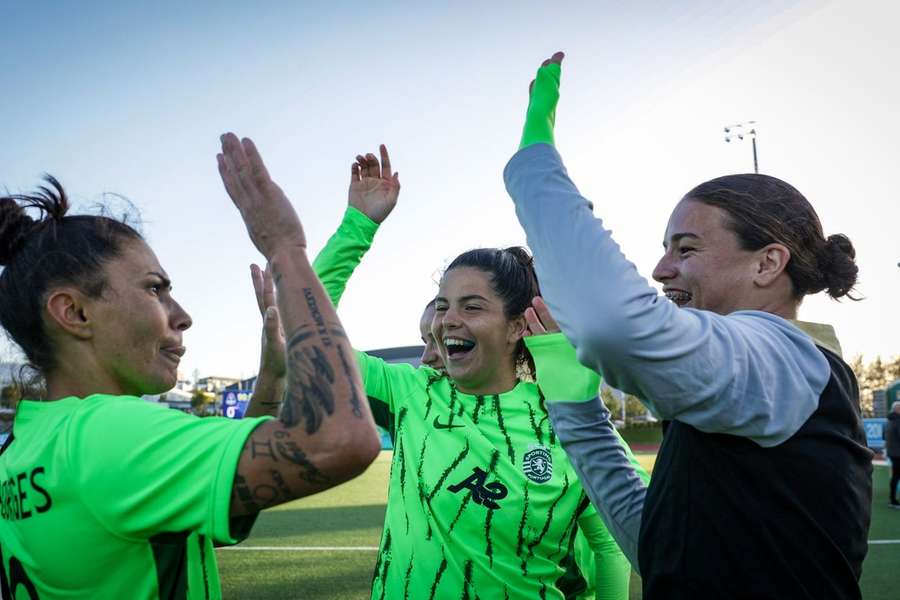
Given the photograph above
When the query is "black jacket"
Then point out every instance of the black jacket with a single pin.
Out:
(892, 435)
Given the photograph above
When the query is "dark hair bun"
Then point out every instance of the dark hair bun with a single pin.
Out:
(838, 266)
(14, 228)
(16, 224)
(522, 255)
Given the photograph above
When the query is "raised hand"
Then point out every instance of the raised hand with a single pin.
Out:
(373, 189)
(556, 59)
(543, 95)
(268, 214)
(539, 319)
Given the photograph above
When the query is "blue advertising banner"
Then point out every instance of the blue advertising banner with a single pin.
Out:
(234, 403)
(875, 432)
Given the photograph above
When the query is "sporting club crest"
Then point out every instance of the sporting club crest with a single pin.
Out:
(537, 464)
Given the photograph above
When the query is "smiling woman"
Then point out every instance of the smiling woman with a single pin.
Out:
(764, 467)
(479, 318)
(142, 490)
(482, 500)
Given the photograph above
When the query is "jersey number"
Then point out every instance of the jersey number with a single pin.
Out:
(17, 577)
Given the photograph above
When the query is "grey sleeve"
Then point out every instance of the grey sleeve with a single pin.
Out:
(606, 474)
(751, 373)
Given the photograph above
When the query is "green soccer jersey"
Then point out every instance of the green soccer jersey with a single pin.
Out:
(482, 500)
(115, 497)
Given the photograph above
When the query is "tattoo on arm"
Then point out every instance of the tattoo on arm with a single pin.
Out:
(317, 316)
(309, 396)
(244, 495)
(262, 449)
(290, 451)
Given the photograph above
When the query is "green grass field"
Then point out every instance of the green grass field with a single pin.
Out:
(350, 517)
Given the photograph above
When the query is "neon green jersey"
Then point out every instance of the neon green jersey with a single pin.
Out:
(115, 497)
(482, 500)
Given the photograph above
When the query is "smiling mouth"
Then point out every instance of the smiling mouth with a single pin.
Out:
(679, 297)
(458, 348)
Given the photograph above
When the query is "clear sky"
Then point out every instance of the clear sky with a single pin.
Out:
(117, 97)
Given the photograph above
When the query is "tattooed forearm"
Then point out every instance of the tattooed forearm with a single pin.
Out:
(290, 451)
(262, 449)
(303, 333)
(244, 495)
(317, 316)
(309, 396)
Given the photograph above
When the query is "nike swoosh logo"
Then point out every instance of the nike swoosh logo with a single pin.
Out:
(438, 425)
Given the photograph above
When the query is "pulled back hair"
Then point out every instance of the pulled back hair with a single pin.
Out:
(763, 210)
(50, 250)
(513, 279)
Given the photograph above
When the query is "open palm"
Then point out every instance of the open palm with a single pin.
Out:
(373, 189)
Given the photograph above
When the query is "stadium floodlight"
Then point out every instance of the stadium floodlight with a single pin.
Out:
(739, 131)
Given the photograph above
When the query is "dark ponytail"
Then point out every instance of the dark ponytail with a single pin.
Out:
(838, 266)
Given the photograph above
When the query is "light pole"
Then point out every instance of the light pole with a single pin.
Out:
(741, 130)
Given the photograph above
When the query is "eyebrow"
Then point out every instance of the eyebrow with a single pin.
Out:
(464, 298)
(677, 237)
(165, 280)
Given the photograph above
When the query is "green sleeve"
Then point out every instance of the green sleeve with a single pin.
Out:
(147, 469)
(336, 262)
(563, 379)
(541, 115)
(612, 569)
(387, 385)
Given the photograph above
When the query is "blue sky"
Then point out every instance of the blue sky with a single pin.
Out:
(130, 99)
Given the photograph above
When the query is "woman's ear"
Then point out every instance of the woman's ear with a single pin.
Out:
(772, 261)
(518, 328)
(66, 310)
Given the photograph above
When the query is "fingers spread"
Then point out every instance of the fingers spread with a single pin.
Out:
(372, 166)
(385, 162)
(362, 165)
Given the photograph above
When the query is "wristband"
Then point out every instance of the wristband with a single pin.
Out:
(559, 374)
(540, 117)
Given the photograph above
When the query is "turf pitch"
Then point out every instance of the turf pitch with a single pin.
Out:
(322, 547)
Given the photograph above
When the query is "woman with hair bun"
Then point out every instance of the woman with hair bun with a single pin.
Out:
(104, 495)
(763, 484)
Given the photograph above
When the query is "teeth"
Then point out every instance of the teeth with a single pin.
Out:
(678, 296)
(457, 345)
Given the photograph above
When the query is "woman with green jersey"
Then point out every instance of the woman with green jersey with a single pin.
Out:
(107, 496)
(482, 501)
